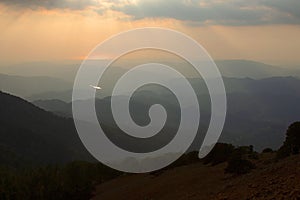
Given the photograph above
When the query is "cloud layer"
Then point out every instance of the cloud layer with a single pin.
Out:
(226, 12)
(50, 4)
(194, 12)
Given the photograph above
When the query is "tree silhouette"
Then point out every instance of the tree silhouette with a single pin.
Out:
(291, 144)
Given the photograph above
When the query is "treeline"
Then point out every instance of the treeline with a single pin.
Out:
(75, 181)
(240, 160)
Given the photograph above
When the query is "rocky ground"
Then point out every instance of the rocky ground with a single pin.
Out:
(270, 180)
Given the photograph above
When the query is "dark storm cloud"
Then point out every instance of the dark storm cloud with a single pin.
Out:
(49, 4)
(226, 12)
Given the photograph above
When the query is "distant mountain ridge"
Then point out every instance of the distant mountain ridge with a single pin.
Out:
(253, 69)
(27, 86)
(231, 68)
(258, 111)
(40, 81)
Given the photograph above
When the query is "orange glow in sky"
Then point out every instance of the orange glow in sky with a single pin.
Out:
(62, 34)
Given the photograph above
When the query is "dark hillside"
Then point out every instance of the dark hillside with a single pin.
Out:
(35, 135)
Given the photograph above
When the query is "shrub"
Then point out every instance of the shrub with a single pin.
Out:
(253, 155)
(238, 164)
(220, 153)
(283, 152)
(267, 150)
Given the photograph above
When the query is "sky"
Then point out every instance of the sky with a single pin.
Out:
(56, 30)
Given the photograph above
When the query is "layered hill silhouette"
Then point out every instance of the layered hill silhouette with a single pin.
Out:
(30, 135)
(230, 68)
(253, 69)
(27, 86)
(40, 81)
(258, 110)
